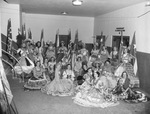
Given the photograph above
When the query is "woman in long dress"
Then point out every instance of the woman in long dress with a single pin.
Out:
(38, 79)
(59, 86)
(91, 94)
(25, 65)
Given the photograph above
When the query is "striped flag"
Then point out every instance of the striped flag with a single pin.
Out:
(29, 34)
(9, 37)
(133, 52)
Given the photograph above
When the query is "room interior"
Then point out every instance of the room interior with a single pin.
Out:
(91, 18)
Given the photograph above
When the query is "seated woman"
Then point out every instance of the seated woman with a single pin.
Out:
(95, 51)
(108, 79)
(90, 93)
(104, 55)
(114, 56)
(51, 68)
(50, 52)
(124, 91)
(25, 65)
(38, 80)
(78, 65)
(59, 86)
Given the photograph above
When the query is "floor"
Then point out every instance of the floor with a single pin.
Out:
(35, 102)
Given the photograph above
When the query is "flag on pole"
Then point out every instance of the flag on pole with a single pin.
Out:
(69, 38)
(133, 52)
(56, 42)
(42, 38)
(120, 48)
(76, 41)
(24, 31)
(9, 37)
(29, 34)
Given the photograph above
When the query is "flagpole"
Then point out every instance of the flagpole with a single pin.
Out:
(120, 30)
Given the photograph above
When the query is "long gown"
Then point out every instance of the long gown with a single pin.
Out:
(58, 87)
(90, 95)
(127, 66)
(25, 64)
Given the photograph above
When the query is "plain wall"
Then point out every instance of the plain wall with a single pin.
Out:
(51, 23)
(129, 19)
(9, 11)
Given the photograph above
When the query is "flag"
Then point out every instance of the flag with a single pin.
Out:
(69, 38)
(69, 53)
(9, 37)
(4, 85)
(133, 52)
(121, 48)
(42, 38)
(29, 34)
(24, 31)
(56, 42)
(76, 41)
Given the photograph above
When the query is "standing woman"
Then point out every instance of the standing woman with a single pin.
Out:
(114, 56)
(39, 51)
(25, 65)
(125, 65)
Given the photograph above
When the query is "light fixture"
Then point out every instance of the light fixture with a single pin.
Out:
(64, 13)
(148, 3)
(77, 2)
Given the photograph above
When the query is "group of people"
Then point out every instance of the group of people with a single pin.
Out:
(94, 79)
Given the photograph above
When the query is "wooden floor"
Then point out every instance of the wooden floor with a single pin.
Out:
(35, 102)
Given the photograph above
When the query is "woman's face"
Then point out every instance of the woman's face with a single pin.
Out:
(68, 67)
(23, 45)
(52, 59)
(38, 63)
(46, 60)
(124, 75)
(95, 75)
(115, 49)
(90, 71)
(125, 50)
(38, 44)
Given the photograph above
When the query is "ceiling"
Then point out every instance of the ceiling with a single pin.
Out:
(89, 8)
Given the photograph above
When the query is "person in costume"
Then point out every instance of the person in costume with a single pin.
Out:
(39, 51)
(60, 86)
(24, 65)
(38, 80)
(125, 91)
(95, 51)
(78, 65)
(50, 51)
(84, 53)
(51, 68)
(108, 79)
(104, 55)
(91, 93)
(62, 48)
(114, 56)
(125, 65)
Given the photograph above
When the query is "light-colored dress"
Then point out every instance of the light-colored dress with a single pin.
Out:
(59, 87)
(91, 95)
(38, 80)
(25, 64)
(50, 52)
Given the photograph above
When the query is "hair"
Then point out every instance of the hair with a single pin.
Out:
(107, 61)
(123, 73)
(37, 43)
